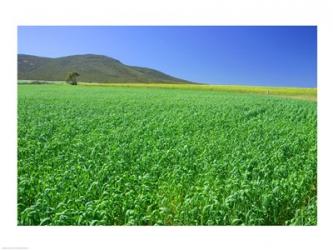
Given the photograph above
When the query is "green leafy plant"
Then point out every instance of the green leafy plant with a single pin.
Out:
(138, 156)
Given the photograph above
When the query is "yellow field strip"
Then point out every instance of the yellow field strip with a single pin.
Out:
(296, 93)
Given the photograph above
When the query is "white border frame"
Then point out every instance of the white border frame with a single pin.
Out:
(171, 12)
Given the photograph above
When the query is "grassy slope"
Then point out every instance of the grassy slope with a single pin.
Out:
(92, 68)
(106, 155)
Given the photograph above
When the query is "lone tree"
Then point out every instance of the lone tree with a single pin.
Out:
(72, 78)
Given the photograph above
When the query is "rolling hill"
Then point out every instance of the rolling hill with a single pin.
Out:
(92, 68)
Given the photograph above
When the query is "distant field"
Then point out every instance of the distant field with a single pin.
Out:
(306, 93)
(126, 154)
(309, 94)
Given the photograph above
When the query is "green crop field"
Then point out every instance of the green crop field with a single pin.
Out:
(117, 155)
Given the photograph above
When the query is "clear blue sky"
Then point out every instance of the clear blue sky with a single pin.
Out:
(253, 55)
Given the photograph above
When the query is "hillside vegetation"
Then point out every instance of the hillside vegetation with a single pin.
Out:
(92, 68)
